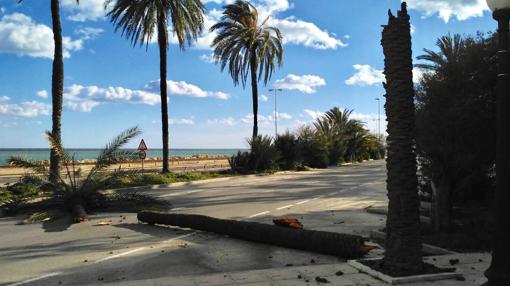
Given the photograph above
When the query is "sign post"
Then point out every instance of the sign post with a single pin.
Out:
(142, 152)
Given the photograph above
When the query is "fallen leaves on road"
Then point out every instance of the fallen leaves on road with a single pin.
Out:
(183, 245)
(289, 222)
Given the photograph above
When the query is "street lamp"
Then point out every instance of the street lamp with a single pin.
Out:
(275, 111)
(498, 273)
(378, 118)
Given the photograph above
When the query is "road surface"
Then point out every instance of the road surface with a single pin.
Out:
(81, 254)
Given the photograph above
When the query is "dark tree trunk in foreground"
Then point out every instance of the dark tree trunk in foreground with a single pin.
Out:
(163, 44)
(343, 245)
(57, 88)
(403, 242)
(254, 95)
(499, 271)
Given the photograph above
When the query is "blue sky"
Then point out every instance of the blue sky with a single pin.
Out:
(332, 58)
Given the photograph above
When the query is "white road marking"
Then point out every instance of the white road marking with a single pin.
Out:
(302, 202)
(285, 207)
(141, 248)
(180, 193)
(36, 278)
(259, 214)
(121, 254)
(178, 209)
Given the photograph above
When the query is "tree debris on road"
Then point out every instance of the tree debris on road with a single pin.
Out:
(330, 243)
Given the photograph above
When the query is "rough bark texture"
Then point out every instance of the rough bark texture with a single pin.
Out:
(163, 45)
(499, 271)
(403, 242)
(254, 95)
(57, 87)
(343, 245)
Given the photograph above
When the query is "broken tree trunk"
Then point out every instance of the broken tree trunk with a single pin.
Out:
(338, 244)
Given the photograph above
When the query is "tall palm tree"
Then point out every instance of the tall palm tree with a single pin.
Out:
(403, 241)
(247, 47)
(450, 53)
(140, 20)
(57, 87)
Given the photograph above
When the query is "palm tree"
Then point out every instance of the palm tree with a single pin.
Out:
(247, 47)
(403, 241)
(139, 20)
(57, 87)
(450, 53)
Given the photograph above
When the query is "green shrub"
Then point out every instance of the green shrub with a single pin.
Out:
(263, 157)
(313, 150)
(288, 146)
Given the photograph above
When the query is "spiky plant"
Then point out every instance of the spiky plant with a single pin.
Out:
(247, 47)
(74, 187)
(141, 20)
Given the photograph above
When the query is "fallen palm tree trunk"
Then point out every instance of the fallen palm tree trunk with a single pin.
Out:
(338, 244)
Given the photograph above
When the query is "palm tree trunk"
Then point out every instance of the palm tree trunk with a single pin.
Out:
(57, 87)
(254, 95)
(163, 45)
(331, 243)
(403, 240)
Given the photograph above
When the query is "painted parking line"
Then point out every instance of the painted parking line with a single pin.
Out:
(36, 279)
(285, 207)
(259, 214)
(302, 202)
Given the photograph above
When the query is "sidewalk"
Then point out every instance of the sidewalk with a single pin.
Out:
(471, 266)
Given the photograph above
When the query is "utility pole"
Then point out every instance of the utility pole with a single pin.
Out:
(275, 110)
(378, 118)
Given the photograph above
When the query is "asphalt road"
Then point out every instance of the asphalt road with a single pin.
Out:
(57, 253)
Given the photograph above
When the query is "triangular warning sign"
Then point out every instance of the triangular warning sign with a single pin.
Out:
(142, 146)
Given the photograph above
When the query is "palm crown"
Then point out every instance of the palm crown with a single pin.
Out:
(242, 43)
(138, 19)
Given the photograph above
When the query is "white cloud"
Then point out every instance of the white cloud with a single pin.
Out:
(284, 116)
(42, 93)
(20, 35)
(81, 106)
(87, 33)
(183, 88)
(305, 83)
(299, 32)
(85, 98)
(295, 31)
(263, 98)
(446, 9)
(4, 98)
(181, 121)
(208, 58)
(313, 114)
(92, 10)
(228, 121)
(366, 75)
(25, 109)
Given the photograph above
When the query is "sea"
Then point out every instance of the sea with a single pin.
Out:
(90, 154)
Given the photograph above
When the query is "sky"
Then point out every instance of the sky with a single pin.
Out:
(332, 57)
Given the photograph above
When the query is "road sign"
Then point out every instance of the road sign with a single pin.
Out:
(142, 146)
(142, 154)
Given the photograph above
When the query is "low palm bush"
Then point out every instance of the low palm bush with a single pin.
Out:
(290, 154)
(75, 188)
(314, 151)
(263, 157)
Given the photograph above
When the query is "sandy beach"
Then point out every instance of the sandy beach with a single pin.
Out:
(10, 173)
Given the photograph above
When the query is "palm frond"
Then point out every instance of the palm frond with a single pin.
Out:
(26, 163)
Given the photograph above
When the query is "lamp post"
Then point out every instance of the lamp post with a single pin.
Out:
(275, 111)
(378, 118)
(498, 272)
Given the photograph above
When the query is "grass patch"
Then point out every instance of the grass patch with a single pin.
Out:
(165, 179)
